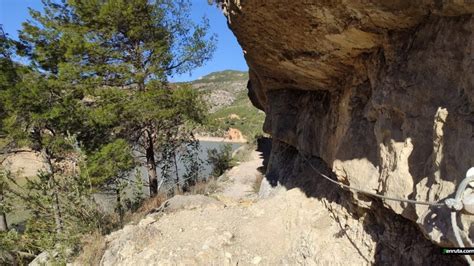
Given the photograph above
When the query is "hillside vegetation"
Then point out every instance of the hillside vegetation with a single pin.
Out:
(85, 87)
(226, 94)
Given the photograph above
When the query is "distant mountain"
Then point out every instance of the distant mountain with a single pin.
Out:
(223, 76)
(221, 88)
(226, 94)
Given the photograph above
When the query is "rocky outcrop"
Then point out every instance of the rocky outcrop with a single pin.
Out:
(377, 93)
(232, 226)
(287, 229)
(235, 135)
(23, 163)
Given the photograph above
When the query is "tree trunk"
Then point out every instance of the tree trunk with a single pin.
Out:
(119, 207)
(57, 209)
(176, 170)
(55, 197)
(151, 165)
(3, 217)
(3, 222)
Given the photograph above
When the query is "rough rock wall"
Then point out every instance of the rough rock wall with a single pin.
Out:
(380, 92)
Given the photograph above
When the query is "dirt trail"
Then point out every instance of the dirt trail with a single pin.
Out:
(233, 227)
(238, 182)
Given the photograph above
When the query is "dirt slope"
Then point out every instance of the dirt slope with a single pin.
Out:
(235, 227)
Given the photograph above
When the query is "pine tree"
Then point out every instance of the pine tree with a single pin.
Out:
(108, 168)
(118, 54)
(95, 94)
(4, 205)
(8, 77)
(221, 159)
(40, 115)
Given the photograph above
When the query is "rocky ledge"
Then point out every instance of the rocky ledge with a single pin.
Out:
(378, 94)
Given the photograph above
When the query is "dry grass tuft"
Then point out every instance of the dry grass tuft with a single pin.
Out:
(93, 248)
(205, 188)
(152, 203)
(146, 207)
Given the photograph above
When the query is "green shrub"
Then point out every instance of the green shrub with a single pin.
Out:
(221, 159)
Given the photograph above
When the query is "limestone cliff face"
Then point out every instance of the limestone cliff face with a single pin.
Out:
(379, 92)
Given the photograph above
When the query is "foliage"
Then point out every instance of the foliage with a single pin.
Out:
(9, 244)
(192, 165)
(94, 100)
(110, 164)
(108, 168)
(117, 55)
(221, 159)
(8, 74)
(109, 50)
(134, 202)
(163, 116)
(117, 42)
(78, 210)
(5, 204)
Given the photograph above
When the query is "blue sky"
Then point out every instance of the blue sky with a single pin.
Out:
(228, 54)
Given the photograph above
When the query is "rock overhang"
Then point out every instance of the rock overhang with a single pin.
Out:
(382, 91)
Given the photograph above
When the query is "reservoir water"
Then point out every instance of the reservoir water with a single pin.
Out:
(107, 201)
(204, 147)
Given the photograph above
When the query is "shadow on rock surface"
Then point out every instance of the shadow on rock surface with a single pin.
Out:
(264, 146)
(397, 239)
